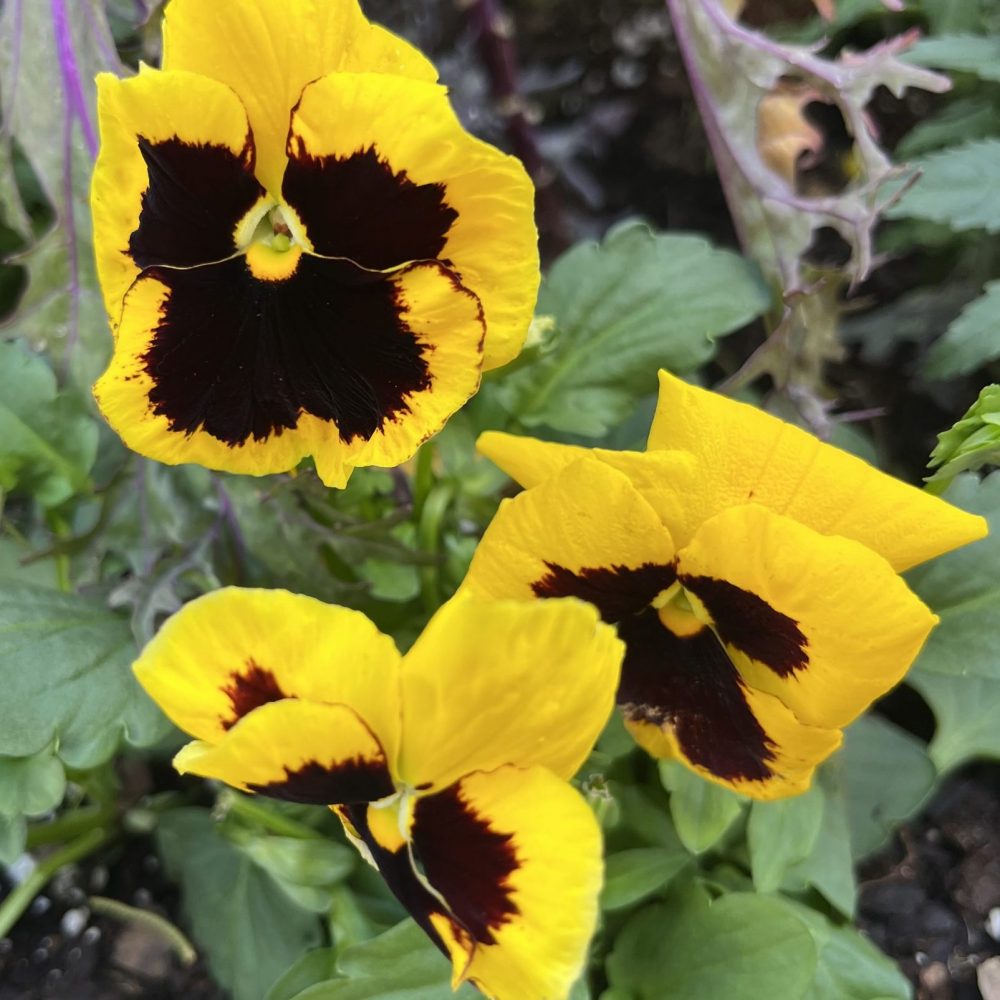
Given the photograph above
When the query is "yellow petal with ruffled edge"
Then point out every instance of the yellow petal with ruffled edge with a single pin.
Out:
(585, 533)
(490, 683)
(516, 856)
(267, 52)
(747, 456)
(416, 186)
(228, 653)
(180, 145)
(823, 623)
(528, 461)
(216, 367)
(297, 751)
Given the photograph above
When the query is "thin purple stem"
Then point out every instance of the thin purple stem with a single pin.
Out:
(71, 247)
(72, 86)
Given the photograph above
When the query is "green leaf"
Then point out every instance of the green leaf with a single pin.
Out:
(13, 833)
(313, 967)
(960, 187)
(971, 340)
(973, 442)
(850, 967)
(46, 437)
(780, 834)
(965, 709)
(702, 811)
(249, 929)
(65, 670)
(977, 54)
(829, 868)
(624, 308)
(874, 749)
(31, 786)
(401, 964)
(973, 117)
(637, 873)
(742, 945)
(963, 589)
(312, 863)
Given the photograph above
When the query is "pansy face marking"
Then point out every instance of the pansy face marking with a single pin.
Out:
(751, 571)
(462, 802)
(300, 249)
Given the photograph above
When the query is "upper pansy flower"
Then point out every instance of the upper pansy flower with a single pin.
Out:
(751, 569)
(301, 250)
(448, 766)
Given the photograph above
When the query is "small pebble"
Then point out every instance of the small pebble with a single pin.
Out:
(98, 878)
(988, 978)
(91, 935)
(40, 905)
(39, 955)
(74, 955)
(53, 975)
(74, 921)
(993, 923)
(20, 869)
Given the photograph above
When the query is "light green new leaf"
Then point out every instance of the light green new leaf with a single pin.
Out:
(965, 709)
(978, 54)
(702, 811)
(316, 966)
(13, 832)
(637, 873)
(401, 964)
(31, 786)
(963, 589)
(65, 671)
(972, 443)
(971, 340)
(46, 438)
(740, 946)
(251, 932)
(781, 834)
(637, 302)
(886, 776)
(959, 187)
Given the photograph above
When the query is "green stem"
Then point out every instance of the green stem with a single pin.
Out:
(252, 811)
(13, 907)
(181, 946)
(429, 540)
(423, 477)
(69, 825)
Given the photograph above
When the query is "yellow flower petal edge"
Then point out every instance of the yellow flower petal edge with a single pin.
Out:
(267, 52)
(745, 454)
(472, 704)
(470, 820)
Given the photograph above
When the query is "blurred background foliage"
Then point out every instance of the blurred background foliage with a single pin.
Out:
(707, 895)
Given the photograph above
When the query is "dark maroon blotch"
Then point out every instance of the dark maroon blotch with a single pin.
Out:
(746, 621)
(616, 591)
(249, 689)
(465, 860)
(197, 193)
(691, 684)
(243, 359)
(357, 207)
(356, 780)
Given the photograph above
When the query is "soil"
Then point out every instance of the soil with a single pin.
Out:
(614, 121)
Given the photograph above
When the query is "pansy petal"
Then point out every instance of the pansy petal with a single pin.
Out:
(516, 855)
(267, 52)
(174, 182)
(821, 622)
(683, 697)
(221, 366)
(298, 751)
(585, 533)
(746, 455)
(381, 172)
(490, 683)
(528, 461)
(232, 651)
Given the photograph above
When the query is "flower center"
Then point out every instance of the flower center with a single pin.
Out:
(273, 254)
(677, 612)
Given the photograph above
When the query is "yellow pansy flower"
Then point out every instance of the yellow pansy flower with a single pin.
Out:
(751, 569)
(301, 250)
(448, 766)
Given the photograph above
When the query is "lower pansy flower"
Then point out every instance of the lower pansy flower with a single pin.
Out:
(751, 571)
(301, 250)
(448, 766)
